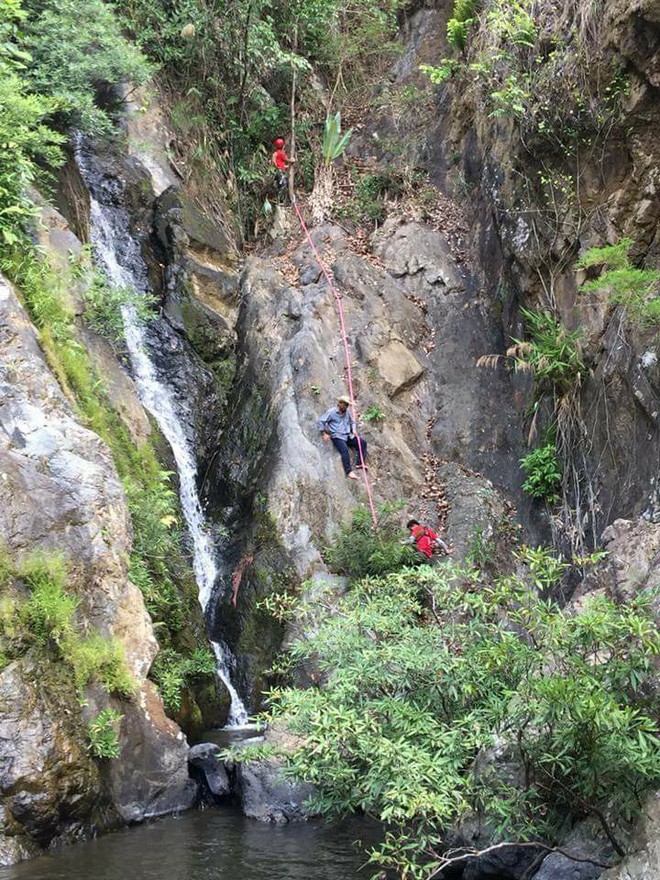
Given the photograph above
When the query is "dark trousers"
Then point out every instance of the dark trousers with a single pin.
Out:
(342, 446)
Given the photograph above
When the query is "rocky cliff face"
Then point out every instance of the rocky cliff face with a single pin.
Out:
(60, 492)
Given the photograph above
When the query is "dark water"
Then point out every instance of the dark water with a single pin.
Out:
(209, 845)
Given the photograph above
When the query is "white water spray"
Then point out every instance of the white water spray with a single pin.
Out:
(157, 398)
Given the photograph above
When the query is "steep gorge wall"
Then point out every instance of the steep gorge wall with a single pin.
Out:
(527, 237)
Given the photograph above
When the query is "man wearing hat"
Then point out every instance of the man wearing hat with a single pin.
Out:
(337, 425)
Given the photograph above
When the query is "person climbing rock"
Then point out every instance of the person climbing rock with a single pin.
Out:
(425, 539)
(337, 425)
(281, 162)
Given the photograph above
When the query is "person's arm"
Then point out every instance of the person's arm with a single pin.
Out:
(322, 424)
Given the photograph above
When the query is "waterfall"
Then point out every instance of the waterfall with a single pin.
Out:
(118, 254)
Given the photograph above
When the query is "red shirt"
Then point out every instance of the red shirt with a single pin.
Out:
(424, 538)
(280, 159)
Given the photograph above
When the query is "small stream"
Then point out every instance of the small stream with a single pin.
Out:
(213, 844)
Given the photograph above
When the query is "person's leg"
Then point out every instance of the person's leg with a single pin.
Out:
(353, 443)
(342, 448)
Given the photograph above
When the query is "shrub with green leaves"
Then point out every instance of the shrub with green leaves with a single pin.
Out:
(463, 17)
(543, 471)
(27, 143)
(76, 49)
(427, 669)
(103, 734)
(551, 353)
(104, 303)
(173, 672)
(359, 550)
(636, 289)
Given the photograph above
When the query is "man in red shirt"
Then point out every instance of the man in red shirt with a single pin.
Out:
(425, 539)
(281, 161)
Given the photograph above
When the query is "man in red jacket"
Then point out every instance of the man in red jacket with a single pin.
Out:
(281, 161)
(425, 539)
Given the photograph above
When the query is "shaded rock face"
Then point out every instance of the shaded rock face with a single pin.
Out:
(644, 862)
(59, 491)
(39, 802)
(266, 796)
(526, 261)
(204, 758)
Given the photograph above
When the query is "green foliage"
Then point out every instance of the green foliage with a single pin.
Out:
(551, 354)
(97, 658)
(636, 289)
(442, 72)
(77, 48)
(459, 24)
(414, 698)
(334, 142)
(374, 413)
(536, 64)
(27, 144)
(47, 619)
(543, 470)
(359, 551)
(103, 734)
(49, 610)
(173, 672)
(103, 305)
(614, 256)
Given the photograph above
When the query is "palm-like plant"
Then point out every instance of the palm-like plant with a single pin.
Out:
(334, 142)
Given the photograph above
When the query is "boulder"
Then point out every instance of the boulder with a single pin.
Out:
(265, 795)
(204, 757)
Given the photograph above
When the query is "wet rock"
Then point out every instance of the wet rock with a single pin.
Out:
(49, 785)
(265, 795)
(204, 757)
(150, 778)
(586, 841)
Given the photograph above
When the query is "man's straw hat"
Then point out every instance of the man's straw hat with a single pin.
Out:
(344, 399)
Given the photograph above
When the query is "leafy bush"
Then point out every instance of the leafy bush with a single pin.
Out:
(374, 413)
(97, 658)
(49, 611)
(551, 354)
(47, 619)
(77, 48)
(173, 672)
(636, 289)
(543, 469)
(27, 144)
(103, 734)
(462, 19)
(415, 698)
(103, 305)
(360, 551)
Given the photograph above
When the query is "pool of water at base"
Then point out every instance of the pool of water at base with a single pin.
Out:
(213, 844)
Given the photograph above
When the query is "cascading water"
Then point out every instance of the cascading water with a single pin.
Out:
(119, 256)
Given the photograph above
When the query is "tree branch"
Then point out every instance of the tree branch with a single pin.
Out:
(452, 856)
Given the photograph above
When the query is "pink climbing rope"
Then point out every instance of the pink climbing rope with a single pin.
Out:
(347, 353)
